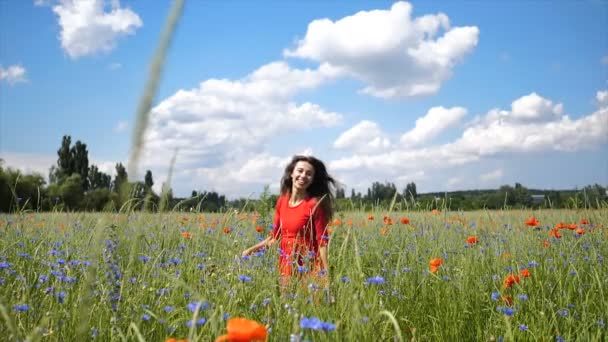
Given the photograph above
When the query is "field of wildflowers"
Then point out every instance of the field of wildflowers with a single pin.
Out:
(486, 275)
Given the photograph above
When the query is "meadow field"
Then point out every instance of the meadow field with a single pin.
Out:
(419, 276)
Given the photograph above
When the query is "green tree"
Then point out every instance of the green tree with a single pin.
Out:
(80, 162)
(120, 178)
(410, 192)
(148, 180)
(71, 192)
(64, 162)
(98, 179)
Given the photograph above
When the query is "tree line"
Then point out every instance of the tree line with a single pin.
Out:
(76, 185)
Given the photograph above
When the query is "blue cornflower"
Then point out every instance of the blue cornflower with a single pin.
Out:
(266, 301)
(345, 279)
(600, 324)
(302, 269)
(244, 278)
(168, 308)
(21, 307)
(523, 327)
(563, 313)
(522, 297)
(507, 311)
(533, 264)
(145, 317)
(192, 306)
(495, 296)
(200, 321)
(375, 280)
(316, 324)
(144, 258)
(61, 296)
(5, 264)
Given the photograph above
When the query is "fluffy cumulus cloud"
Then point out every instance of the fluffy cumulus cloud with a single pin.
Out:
(534, 124)
(492, 175)
(93, 26)
(602, 97)
(364, 136)
(395, 54)
(13, 74)
(217, 127)
(436, 120)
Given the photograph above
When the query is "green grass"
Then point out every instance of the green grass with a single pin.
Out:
(71, 269)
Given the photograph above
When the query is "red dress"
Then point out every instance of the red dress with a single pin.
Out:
(302, 229)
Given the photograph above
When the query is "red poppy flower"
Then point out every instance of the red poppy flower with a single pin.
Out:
(259, 229)
(560, 225)
(525, 273)
(510, 280)
(584, 221)
(580, 231)
(532, 222)
(186, 235)
(472, 240)
(405, 220)
(370, 217)
(434, 264)
(243, 330)
(227, 230)
(337, 222)
(572, 226)
(555, 233)
(546, 243)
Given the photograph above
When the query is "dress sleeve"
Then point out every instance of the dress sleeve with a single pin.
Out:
(276, 230)
(320, 221)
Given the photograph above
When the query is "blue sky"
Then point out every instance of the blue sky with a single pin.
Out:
(451, 95)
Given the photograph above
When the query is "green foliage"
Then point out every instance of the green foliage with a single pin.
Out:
(71, 192)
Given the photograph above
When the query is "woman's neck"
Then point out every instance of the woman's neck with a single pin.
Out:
(296, 196)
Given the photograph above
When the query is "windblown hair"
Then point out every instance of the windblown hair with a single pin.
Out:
(322, 187)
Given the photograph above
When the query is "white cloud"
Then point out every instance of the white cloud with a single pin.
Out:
(218, 127)
(535, 108)
(114, 66)
(364, 136)
(534, 124)
(395, 54)
(499, 131)
(604, 60)
(454, 183)
(436, 121)
(121, 126)
(86, 28)
(41, 2)
(602, 97)
(13, 74)
(492, 176)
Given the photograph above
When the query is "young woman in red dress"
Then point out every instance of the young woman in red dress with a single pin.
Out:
(304, 208)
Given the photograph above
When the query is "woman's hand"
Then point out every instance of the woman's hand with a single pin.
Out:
(245, 253)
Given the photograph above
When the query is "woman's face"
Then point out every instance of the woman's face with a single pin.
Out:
(302, 175)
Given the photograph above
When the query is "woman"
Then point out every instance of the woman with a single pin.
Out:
(303, 210)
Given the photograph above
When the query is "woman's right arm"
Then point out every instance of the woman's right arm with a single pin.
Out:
(274, 236)
(269, 241)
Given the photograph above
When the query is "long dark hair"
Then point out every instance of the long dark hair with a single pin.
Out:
(322, 186)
